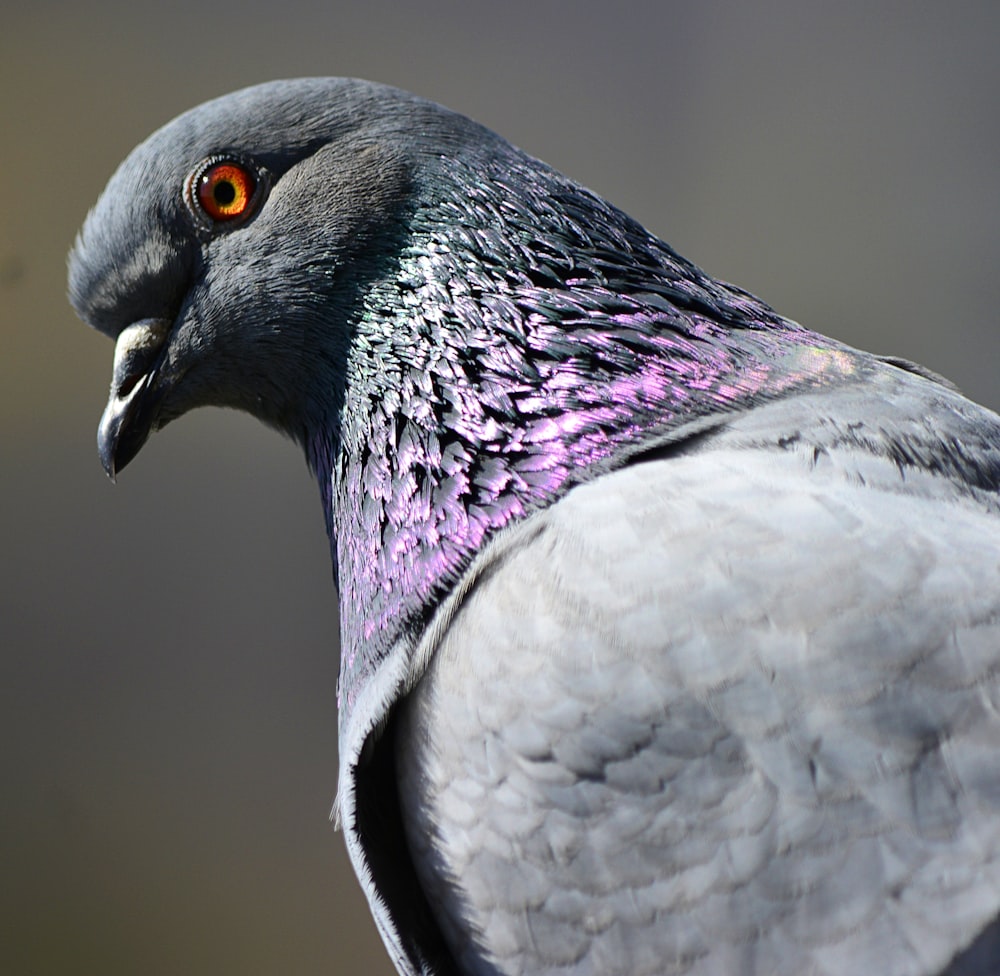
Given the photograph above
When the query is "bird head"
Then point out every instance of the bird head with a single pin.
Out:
(227, 253)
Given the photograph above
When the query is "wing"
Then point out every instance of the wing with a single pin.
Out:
(727, 711)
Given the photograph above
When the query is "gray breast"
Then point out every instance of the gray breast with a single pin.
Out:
(732, 712)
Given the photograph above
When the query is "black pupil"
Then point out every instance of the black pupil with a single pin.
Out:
(224, 193)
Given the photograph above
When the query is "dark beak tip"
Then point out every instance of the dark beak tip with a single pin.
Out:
(107, 444)
(120, 435)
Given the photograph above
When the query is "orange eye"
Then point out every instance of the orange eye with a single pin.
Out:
(225, 190)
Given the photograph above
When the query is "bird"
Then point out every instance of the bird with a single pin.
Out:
(669, 628)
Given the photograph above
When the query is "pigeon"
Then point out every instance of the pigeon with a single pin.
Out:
(670, 628)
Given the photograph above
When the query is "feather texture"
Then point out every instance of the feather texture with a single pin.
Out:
(670, 629)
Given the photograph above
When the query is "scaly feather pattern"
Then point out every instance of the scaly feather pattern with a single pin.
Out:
(532, 336)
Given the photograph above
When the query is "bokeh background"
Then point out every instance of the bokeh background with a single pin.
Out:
(168, 648)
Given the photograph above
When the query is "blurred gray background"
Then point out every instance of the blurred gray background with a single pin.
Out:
(168, 650)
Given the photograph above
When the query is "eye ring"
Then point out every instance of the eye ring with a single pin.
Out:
(225, 191)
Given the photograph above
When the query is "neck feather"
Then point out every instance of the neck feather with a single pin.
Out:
(531, 338)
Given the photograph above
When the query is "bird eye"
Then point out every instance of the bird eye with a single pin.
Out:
(225, 190)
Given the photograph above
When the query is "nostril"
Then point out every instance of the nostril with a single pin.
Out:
(125, 385)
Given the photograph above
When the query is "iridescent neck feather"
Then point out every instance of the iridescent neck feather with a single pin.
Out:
(532, 335)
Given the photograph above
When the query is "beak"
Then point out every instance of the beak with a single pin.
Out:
(135, 394)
